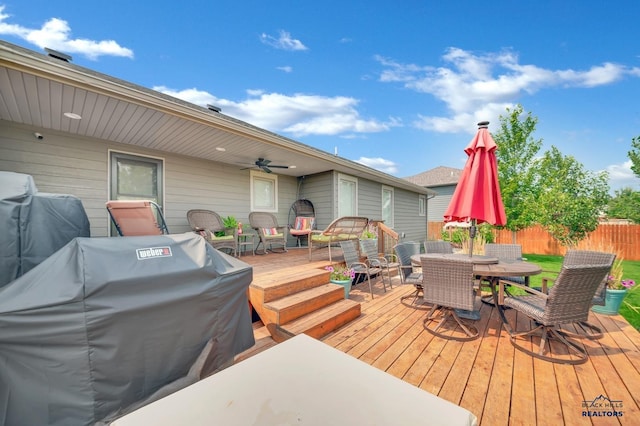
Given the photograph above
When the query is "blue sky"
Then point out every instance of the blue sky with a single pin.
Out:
(398, 86)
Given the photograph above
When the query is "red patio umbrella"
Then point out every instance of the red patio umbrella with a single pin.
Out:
(477, 196)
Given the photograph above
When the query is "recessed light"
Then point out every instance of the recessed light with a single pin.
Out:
(292, 167)
(72, 115)
(221, 149)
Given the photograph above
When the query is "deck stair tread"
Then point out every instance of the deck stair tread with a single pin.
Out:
(286, 282)
(297, 304)
(324, 320)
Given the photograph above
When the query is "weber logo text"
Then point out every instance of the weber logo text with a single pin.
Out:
(153, 252)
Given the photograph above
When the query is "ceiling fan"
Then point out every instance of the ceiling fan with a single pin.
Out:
(266, 165)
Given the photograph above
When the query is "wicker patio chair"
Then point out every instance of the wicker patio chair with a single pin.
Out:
(207, 223)
(449, 285)
(438, 247)
(506, 253)
(266, 225)
(302, 220)
(588, 257)
(344, 228)
(386, 263)
(137, 217)
(352, 260)
(404, 251)
(567, 302)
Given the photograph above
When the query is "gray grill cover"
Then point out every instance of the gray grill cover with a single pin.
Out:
(34, 224)
(105, 322)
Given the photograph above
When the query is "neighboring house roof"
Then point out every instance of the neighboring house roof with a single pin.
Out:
(439, 176)
(36, 90)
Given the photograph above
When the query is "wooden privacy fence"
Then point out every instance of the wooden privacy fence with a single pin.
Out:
(622, 239)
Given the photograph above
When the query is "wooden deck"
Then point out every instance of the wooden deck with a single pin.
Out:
(487, 376)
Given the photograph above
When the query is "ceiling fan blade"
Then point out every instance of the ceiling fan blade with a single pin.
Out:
(278, 167)
(266, 169)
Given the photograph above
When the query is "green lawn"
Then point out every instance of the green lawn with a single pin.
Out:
(630, 308)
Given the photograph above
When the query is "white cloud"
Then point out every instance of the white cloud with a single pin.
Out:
(380, 164)
(298, 114)
(283, 41)
(55, 34)
(477, 87)
(621, 176)
(286, 69)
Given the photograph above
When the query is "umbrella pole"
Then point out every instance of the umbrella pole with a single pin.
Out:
(472, 236)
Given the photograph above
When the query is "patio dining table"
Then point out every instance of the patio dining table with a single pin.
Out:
(491, 269)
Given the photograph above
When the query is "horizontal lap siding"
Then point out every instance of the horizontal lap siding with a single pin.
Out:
(319, 190)
(66, 165)
(60, 165)
(407, 220)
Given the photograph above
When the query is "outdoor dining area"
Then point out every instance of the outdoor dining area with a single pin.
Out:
(486, 375)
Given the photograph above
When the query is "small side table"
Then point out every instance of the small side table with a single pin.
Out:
(244, 241)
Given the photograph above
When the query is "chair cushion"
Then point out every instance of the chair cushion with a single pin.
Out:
(303, 223)
(269, 231)
(222, 238)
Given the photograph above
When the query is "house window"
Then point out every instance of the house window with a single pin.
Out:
(264, 192)
(387, 206)
(347, 196)
(134, 178)
(422, 205)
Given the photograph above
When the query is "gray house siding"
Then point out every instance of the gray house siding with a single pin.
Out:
(318, 189)
(406, 205)
(438, 204)
(68, 165)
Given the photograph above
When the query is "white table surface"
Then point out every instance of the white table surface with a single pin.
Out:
(301, 381)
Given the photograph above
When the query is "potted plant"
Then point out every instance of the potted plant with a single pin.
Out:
(230, 225)
(343, 276)
(617, 289)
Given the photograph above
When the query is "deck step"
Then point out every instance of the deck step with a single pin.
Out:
(297, 304)
(277, 284)
(322, 321)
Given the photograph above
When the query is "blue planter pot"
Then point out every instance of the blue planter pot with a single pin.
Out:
(613, 301)
(346, 284)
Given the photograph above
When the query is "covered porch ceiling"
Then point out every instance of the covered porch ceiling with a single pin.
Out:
(37, 90)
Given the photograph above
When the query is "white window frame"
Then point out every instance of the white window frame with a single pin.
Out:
(388, 221)
(422, 205)
(257, 176)
(354, 180)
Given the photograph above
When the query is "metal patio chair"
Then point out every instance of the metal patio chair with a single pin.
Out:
(386, 263)
(408, 275)
(352, 260)
(137, 217)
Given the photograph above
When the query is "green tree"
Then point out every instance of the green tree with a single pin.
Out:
(570, 198)
(634, 155)
(625, 205)
(516, 152)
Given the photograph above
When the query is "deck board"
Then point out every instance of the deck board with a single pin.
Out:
(487, 376)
